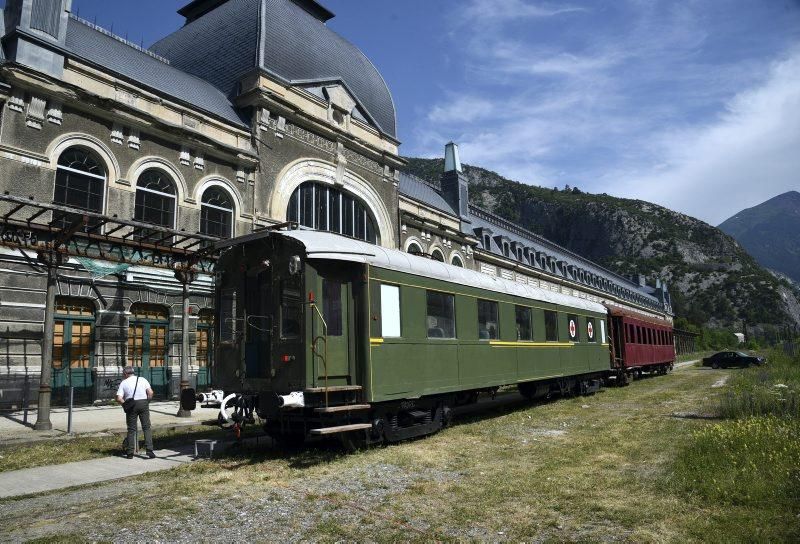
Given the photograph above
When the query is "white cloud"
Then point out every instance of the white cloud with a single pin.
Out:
(751, 152)
(486, 11)
(462, 109)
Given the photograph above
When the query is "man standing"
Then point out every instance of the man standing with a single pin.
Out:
(138, 389)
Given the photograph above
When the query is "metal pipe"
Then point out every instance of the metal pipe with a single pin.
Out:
(185, 346)
(69, 411)
(25, 399)
(43, 422)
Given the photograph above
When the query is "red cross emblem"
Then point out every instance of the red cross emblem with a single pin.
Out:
(590, 330)
(572, 328)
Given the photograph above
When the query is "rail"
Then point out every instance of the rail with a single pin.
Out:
(315, 340)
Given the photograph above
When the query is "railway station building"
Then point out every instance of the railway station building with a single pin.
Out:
(120, 166)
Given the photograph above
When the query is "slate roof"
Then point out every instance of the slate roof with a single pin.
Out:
(426, 193)
(89, 43)
(421, 191)
(283, 39)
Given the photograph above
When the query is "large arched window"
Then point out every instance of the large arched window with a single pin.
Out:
(216, 213)
(323, 207)
(456, 261)
(437, 255)
(155, 198)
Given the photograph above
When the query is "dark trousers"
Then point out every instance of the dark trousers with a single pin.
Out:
(141, 411)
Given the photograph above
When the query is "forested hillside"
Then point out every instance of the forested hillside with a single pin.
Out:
(713, 281)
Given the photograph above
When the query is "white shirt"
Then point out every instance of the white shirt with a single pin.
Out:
(126, 388)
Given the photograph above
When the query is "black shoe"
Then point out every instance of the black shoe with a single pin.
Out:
(151, 454)
(128, 456)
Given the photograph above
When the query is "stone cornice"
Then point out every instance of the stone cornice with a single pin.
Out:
(96, 93)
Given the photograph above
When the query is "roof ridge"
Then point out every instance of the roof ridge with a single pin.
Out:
(110, 34)
(510, 225)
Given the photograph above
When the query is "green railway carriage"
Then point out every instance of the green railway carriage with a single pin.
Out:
(322, 334)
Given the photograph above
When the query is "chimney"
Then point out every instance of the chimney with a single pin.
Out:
(44, 32)
(455, 188)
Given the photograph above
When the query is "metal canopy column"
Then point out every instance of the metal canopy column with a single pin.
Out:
(185, 277)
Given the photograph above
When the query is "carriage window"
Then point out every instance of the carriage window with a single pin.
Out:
(524, 329)
(574, 330)
(390, 311)
(488, 327)
(602, 331)
(332, 306)
(551, 326)
(441, 318)
(290, 314)
(591, 333)
(227, 316)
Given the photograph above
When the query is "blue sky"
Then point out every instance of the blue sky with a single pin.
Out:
(691, 104)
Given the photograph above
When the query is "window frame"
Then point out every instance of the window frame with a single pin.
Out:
(490, 304)
(547, 326)
(529, 311)
(384, 309)
(448, 296)
(230, 211)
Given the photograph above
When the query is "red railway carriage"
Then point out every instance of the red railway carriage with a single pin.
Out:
(639, 343)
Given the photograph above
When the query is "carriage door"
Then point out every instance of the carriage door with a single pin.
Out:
(335, 307)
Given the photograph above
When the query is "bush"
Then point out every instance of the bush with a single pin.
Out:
(743, 462)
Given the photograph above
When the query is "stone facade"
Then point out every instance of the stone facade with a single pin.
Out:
(52, 103)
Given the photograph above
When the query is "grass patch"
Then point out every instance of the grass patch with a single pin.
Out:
(745, 462)
(746, 469)
(772, 389)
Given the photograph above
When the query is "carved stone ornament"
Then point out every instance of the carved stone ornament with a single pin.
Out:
(116, 134)
(35, 116)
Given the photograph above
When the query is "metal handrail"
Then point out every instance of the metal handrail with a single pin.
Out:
(315, 339)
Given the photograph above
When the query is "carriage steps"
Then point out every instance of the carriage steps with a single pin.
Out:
(343, 408)
(340, 429)
(333, 389)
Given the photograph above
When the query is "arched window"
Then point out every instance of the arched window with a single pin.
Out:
(155, 198)
(414, 249)
(437, 255)
(456, 261)
(80, 180)
(216, 213)
(327, 208)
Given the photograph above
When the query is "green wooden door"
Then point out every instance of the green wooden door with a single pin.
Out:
(147, 345)
(205, 349)
(335, 308)
(73, 351)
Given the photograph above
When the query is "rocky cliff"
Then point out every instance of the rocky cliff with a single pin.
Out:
(770, 232)
(713, 281)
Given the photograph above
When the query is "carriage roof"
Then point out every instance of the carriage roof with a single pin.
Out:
(329, 246)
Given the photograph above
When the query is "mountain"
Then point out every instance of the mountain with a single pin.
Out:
(770, 232)
(712, 279)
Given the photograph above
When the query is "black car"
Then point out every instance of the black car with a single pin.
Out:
(724, 359)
